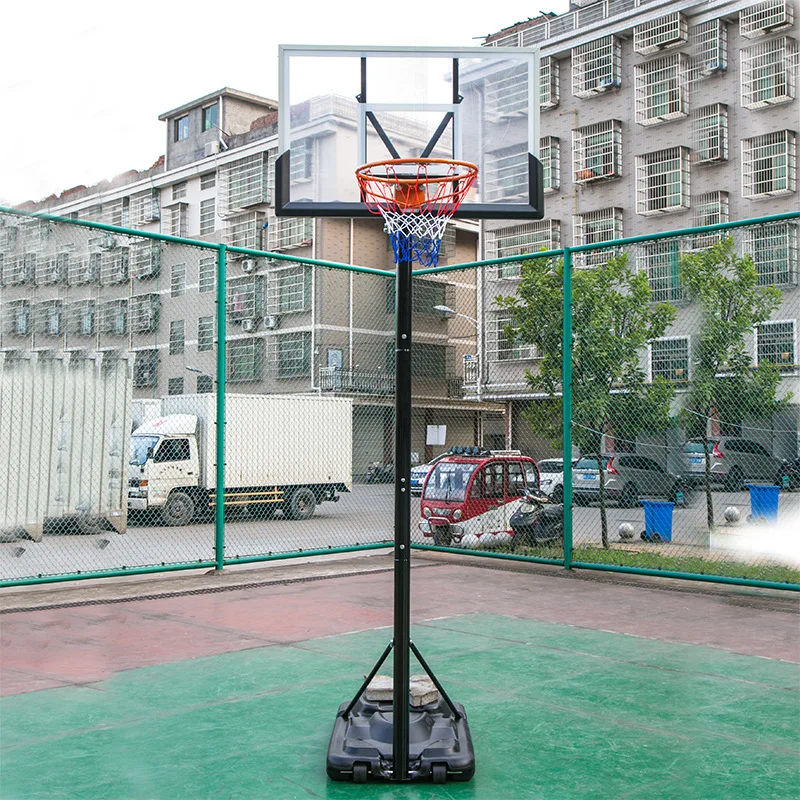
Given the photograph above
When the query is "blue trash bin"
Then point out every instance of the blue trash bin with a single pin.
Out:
(763, 502)
(657, 520)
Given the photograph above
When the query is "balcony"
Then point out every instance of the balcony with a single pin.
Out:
(356, 381)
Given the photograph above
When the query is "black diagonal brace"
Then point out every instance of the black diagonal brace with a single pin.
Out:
(437, 134)
(382, 133)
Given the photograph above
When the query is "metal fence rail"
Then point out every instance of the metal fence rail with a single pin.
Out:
(214, 357)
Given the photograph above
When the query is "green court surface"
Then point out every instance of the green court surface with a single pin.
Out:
(555, 712)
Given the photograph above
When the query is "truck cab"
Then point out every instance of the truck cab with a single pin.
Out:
(164, 456)
(468, 500)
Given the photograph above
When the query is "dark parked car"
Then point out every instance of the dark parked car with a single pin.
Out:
(628, 478)
(734, 461)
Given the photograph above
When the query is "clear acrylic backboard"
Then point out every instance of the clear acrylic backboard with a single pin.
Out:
(342, 107)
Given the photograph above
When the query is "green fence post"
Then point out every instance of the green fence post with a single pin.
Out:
(219, 520)
(566, 402)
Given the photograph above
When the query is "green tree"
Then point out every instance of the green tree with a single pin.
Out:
(613, 320)
(725, 384)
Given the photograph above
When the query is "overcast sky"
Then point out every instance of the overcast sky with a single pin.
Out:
(82, 83)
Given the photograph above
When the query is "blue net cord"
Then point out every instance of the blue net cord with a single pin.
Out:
(410, 247)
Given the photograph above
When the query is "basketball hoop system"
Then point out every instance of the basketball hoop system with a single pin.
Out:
(416, 198)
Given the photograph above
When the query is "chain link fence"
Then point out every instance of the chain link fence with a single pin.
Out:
(683, 374)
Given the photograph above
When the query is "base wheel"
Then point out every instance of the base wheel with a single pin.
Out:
(360, 773)
(439, 773)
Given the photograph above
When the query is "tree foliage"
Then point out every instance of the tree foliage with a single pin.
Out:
(612, 322)
(724, 381)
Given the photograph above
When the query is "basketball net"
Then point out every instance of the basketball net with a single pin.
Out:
(416, 198)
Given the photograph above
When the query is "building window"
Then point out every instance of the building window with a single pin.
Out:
(178, 220)
(245, 300)
(502, 347)
(145, 259)
(662, 181)
(144, 208)
(662, 89)
(548, 82)
(710, 47)
(294, 355)
(426, 295)
(550, 156)
(245, 360)
(205, 384)
(208, 181)
(596, 67)
(775, 344)
(292, 289)
(144, 313)
(50, 318)
(506, 174)
(710, 209)
(114, 266)
(669, 359)
(208, 274)
(769, 164)
(604, 225)
(177, 337)
(768, 77)
(710, 133)
(285, 233)
(597, 151)
(82, 318)
(302, 160)
(764, 18)
(245, 230)
(208, 216)
(182, 128)
(205, 333)
(19, 318)
(178, 280)
(516, 240)
(773, 249)
(211, 117)
(670, 30)
(243, 183)
(659, 261)
(115, 317)
(175, 386)
(145, 369)
(179, 190)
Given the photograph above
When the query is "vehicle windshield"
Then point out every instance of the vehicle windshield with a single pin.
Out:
(449, 481)
(697, 447)
(551, 466)
(591, 463)
(140, 447)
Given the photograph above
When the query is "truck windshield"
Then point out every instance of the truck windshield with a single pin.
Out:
(140, 447)
(449, 481)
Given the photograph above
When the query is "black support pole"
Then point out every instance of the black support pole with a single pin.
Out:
(402, 521)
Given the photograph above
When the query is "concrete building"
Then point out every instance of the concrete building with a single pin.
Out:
(290, 328)
(656, 116)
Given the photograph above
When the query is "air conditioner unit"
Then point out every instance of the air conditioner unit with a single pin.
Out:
(211, 148)
(271, 322)
(248, 324)
(249, 265)
(109, 242)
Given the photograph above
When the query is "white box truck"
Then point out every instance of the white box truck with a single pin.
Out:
(64, 425)
(287, 452)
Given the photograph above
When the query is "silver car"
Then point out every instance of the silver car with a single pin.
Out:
(627, 478)
(733, 461)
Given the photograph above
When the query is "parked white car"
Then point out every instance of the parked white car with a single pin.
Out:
(551, 478)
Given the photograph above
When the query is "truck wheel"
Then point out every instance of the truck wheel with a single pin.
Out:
(179, 509)
(301, 505)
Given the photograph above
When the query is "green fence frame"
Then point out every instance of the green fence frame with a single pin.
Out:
(565, 253)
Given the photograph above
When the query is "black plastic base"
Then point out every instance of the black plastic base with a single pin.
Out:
(439, 746)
